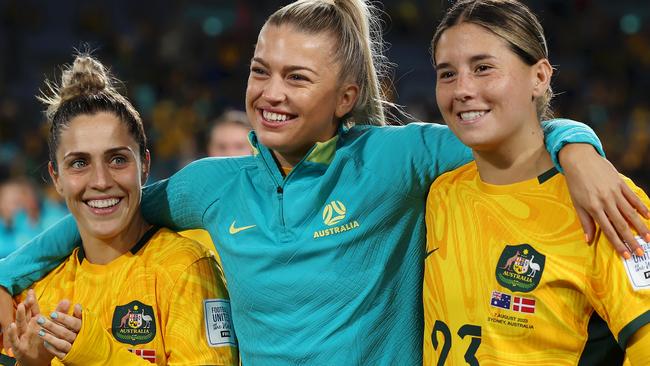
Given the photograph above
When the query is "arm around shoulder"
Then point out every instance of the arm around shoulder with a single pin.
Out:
(34, 260)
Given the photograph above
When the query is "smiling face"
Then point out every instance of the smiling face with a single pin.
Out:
(484, 90)
(295, 97)
(100, 175)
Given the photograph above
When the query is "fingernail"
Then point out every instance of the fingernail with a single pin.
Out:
(40, 320)
(41, 333)
(627, 255)
(639, 252)
(54, 315)
(586, 238)
(46, 344)
(647, 237)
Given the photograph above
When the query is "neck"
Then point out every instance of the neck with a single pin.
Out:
(521, 157)
(286, 160)
(105, 250)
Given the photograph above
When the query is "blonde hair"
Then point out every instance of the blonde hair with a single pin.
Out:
(87, 88)
(511, 21)
(357, 30)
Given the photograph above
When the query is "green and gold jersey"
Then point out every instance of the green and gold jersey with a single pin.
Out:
(509, 279)
(164, 301)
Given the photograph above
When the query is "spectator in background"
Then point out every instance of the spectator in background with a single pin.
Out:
(229, 135)
(24, 213)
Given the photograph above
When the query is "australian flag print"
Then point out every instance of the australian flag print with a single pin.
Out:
(500, 300)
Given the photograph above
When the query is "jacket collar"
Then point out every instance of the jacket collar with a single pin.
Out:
(320, 153)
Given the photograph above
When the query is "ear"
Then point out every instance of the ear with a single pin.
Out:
(55, 178)
(347, 97)
(146, 165)
(542, 72)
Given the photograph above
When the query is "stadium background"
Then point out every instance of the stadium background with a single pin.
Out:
(184, 62)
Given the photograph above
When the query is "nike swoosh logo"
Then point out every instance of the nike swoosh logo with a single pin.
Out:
(234, 230)
(430, 252)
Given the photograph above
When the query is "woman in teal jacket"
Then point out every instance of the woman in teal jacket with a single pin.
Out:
(321, 232)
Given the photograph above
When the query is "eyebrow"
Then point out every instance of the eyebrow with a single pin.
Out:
(287, 68)
(473, 59)
(107, 152)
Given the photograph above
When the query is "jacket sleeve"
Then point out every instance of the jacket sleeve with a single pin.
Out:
(178, 202)
(559, 132)
(94, 346)
(34, 260)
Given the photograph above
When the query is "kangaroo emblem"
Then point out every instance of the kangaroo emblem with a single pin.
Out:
(125, 318)
(510, 261)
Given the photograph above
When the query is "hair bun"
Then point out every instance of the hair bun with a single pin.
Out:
(86, 76)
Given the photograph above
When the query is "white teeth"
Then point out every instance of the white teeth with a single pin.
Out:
(466, 116)
(103, 203)
(274, 116)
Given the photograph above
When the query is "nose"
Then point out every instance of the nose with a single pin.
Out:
(274, 90)
(464, 88)
(101, 178)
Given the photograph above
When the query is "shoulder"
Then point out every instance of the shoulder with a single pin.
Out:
(466, 173)
(169, 248)
(213, 165)
(412, 129)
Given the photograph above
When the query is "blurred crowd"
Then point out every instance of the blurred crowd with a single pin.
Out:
(185, 63)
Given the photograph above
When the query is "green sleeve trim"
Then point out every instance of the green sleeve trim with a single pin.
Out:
(631, 328)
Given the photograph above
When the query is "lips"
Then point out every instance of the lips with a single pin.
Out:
(471, 116)
(275, 119)
(104, 206)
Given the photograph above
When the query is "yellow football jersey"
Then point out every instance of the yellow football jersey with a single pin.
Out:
(509, 279)
(202, 237)
(164, 301)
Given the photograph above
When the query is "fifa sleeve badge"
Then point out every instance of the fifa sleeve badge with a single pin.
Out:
(219, 329)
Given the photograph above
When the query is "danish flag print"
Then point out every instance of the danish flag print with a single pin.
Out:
(523, 304)
(147, 354)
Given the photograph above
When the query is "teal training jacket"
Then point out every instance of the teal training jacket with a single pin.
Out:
(324, 266)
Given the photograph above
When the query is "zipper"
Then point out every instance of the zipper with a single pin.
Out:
(280, 192)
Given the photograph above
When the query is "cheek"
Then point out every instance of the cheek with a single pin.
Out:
(443, 97)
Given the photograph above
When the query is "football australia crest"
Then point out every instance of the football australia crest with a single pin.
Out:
(520, 268)
(134, 323)
(333, 215)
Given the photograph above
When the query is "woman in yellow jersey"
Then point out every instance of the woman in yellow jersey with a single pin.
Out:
(148, 295)
(508, 279)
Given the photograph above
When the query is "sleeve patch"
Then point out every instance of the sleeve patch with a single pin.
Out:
(218, 323)
(638, 268)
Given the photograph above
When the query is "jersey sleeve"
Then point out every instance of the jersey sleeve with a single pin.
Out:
(34, 260)
(559, 132)
(94, 346)
(197, 322)
(619, 289)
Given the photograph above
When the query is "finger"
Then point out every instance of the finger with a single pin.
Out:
(617, 215)
(638, 224)
(77, 312)
(55, 345)
(63, 306)
(34, 307)
(611, 234)
(21, 322)
(588, 225)
(63, 326)
(636, 201)
(12, 332)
